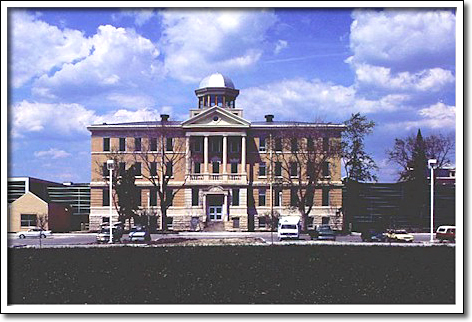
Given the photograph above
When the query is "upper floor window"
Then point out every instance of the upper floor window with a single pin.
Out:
(234, 167)
(310, 144)
(106, 144)
(137, 169)
(169, 170)
(169, 144)
(122, 144)
(233, 145)
(153, 144)
(294, 144)
(216, 166)
(197, 167)
(153, 197)
(105, 171)
(278, 169)
(278, 197)
(325, 144)
(153, 169)
(262, 196)
(262, 144)
(326, 172)
(121, 168)
(293, 197)
(215, 144)
(293, 169)
(278, 144)
(137, 144)
(262, 169)
(197, 145)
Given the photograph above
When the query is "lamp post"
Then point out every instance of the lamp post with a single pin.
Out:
(110, 166)
(431, 164)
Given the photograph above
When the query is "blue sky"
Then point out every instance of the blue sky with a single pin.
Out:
(73, 67)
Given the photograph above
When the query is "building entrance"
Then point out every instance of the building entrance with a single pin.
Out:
(215, 207)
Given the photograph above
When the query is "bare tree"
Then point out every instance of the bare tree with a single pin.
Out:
(436, 146)
(162, 155)
(42, 224)
(303, 157)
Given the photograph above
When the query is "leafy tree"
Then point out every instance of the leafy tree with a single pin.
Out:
(128, 195)
(358, 164)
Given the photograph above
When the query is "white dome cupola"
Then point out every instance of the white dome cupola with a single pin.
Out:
(216, 89)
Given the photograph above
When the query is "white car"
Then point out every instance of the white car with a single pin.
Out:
(34, 233)
(139, 233)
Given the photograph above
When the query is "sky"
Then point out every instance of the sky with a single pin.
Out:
(72, 67)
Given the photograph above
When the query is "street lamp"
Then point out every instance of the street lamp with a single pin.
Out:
(432, 164)
(110, 167)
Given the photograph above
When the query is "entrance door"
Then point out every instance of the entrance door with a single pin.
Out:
(215, 212)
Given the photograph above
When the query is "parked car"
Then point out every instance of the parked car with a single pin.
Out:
(400, 235)
(322, 232)
(446, 233)
(104, 235)
(34, 233)
(139, 233)
(372, 235)
(288, 227)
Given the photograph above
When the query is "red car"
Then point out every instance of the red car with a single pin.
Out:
(446, 233)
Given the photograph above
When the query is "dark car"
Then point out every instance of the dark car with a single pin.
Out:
(373, 235)
(323, 232)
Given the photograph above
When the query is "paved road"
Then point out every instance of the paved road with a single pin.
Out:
(90, 238)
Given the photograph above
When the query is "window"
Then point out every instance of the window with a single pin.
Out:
(106, 144)
(262, 197)
(236, 222)
(325, 196)
(122, 144)
(293, 169)
(169, 170)
(325, 220)
(105, 171)
(137, 169)
(310, 169)
(278, 169)
(28, 220)
(235, 197)
(262, 144)
(294, 144)
(234, 167)
(169, 196)
(308, 199)
(233, 145)
(326, 169)
(278, 144)
(169, 222)
(293, 197)
(153, 144)
(138, 197)
(121, 168)
(219, 100)
(169, 145)
(215, 144)
(262, 169)
(278, 198)
(310, 144)
(137, 144)
(262, 222)
(195, 197)
(216, 166)
(153, 169)
(197, 167)
(309, 222)
(197, 145)
(105, 197)
(153, 197)
(325, 144)
(105, 220)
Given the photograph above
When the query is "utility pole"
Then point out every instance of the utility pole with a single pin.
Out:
(271, 192)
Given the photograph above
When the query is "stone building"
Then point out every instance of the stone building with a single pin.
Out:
(222, 167)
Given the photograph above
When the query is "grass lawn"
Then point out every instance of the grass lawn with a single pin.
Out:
(232, 274)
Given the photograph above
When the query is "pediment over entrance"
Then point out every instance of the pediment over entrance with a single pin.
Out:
(216, 117)
(216, 189)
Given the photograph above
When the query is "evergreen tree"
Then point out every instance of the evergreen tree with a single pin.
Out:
(128, 195)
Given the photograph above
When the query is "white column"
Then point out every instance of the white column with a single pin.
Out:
(205, 155)
(225, 152)
(243, 154)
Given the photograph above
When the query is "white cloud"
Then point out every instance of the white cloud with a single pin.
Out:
(281, 44)
(52, 153)
(289, 99)
(120, 61)
(380, 77)
(437, 116)
(403, 39)
(38, 47)
(70, 120)
(141, 16)
(198, 42)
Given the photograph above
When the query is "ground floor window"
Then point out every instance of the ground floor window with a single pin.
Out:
(28, 220)
(262, 222)
(105, 220)
(169, 222)
(236, 222)
(195, 193)
(309, 222)
(325, 220)
(235, 197)
(262, 196)
(105, 197)
(325, 196)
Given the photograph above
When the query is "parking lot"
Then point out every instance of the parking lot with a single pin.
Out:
(73, 239)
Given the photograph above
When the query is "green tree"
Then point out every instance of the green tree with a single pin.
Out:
(359, 165)
(128, 195)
